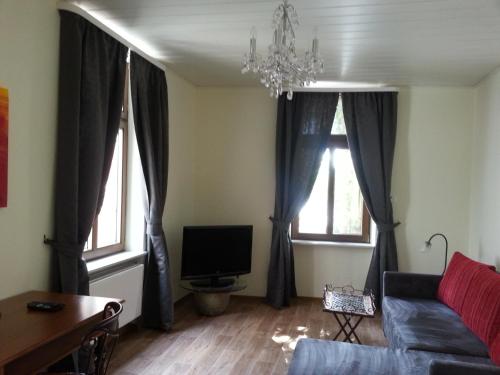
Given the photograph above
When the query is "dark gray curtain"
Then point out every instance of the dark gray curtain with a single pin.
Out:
(302, 131)
(150, 107)
(91, 83)
(371, 119)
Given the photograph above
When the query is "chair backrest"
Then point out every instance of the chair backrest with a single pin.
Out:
(99, 344)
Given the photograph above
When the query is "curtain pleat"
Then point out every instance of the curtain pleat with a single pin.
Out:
(303, 128)
(91, 82)
(150, 107)
(371, 120)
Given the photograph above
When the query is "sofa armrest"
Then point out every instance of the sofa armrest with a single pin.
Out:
(410, 285)
(440, 367)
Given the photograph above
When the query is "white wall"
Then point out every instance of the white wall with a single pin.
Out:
(235, 140)
(431, 174)
(316, 265)
(485, 181)
(29, 32)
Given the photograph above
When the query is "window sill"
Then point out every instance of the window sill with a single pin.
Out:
(334, 244)
(109, 264)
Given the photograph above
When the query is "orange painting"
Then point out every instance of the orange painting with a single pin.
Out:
(4, 143)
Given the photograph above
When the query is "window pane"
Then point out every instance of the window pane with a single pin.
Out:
(109, 221)
(348, 201)
(313, 217)
(338, 123)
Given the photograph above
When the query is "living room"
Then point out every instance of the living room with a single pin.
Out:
(439, 59)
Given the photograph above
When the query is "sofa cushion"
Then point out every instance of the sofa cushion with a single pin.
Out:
(456, 280)
(495, 350)
(425, 324)
(322, 357)
(481, 311)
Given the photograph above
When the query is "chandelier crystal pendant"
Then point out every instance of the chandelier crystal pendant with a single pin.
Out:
(282, 70)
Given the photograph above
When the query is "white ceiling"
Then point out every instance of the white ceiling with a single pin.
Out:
(395, 42)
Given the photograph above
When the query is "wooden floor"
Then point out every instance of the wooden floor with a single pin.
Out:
(250, 338)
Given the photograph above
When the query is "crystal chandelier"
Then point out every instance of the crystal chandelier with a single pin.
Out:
(282, 70)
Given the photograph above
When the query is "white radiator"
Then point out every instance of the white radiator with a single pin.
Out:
(125, 284)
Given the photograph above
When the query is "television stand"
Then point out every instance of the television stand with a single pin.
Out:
(213, 300)
(214, 282)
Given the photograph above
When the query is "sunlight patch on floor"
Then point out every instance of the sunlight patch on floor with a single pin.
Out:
(281, 339)
(288, 342)
(324, 333)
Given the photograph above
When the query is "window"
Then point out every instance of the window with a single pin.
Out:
(108, 231)
(335, 210)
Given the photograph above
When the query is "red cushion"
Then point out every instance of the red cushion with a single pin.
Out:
(495, 351)
(456, 280)
(481, 309)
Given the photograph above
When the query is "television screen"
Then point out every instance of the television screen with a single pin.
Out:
(213, 251)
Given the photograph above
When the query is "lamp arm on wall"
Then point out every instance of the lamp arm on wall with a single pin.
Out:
(428, 243)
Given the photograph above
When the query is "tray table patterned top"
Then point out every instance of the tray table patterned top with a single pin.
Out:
(348, 300)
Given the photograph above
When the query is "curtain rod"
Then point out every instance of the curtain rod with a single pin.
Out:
(65, 5)
(348, 89)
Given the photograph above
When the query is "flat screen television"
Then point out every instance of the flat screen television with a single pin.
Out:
(212, 252)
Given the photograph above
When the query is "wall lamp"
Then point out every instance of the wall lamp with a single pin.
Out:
(428, 245)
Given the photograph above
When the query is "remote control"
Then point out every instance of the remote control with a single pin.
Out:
(45, 306)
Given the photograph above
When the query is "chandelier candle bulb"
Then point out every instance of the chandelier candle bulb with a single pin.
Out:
(253, 46)
(253, 33)
(315, 47)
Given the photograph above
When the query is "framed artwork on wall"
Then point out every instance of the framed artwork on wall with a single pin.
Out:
(4, 144)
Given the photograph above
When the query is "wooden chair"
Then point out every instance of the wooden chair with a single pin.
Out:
(98, 345)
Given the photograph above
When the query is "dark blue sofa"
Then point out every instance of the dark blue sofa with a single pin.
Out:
(414, 320)
(425, 338)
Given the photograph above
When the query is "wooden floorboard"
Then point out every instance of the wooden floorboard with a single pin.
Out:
(250, 338)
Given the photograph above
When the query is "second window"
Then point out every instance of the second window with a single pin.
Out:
(335, 211)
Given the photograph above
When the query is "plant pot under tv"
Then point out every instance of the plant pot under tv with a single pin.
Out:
(212, 300)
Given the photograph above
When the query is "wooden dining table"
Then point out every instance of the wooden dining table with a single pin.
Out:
(33, 340)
